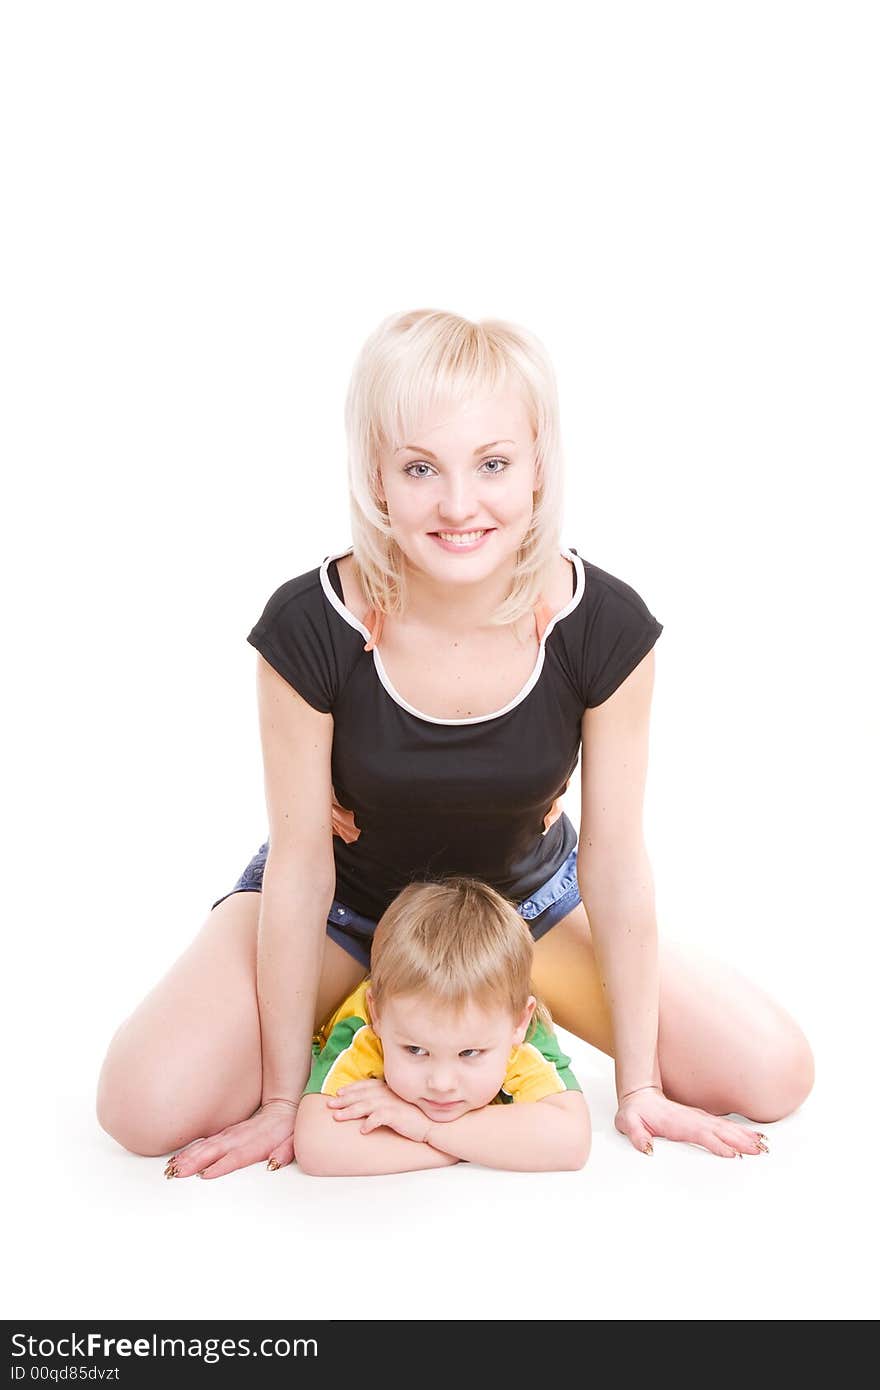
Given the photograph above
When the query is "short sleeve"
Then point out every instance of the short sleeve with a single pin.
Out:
(539, 1068)
(620, 630)
(293, 635)
(351, 1053)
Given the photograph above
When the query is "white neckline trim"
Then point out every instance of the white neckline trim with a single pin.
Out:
(346, 613)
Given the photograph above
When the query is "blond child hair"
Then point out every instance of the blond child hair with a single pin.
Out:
(455, 941)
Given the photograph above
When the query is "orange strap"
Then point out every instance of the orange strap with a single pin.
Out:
(343, 823)
(375, 625)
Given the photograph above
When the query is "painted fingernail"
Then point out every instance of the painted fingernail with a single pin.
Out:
(763, 1148)
(759, 1136)
(273, 1164)
(171, 1172)
(738, 1154)
(202, 1173)
(649, 1148)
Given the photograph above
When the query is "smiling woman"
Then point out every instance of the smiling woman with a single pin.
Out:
(423, 698)
(472, 504)
(432, 367)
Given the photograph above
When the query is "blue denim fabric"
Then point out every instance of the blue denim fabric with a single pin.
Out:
(354, 933)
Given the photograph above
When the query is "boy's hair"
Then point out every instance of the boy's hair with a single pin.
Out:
(455, 941)
(426, 359)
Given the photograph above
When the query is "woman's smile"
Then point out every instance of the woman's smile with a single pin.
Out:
(462, 540)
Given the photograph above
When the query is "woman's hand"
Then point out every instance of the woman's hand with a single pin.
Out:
(376, 1104)
(648, 1112)
(268, 1134)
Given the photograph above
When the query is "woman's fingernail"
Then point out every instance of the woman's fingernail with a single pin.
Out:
(763, 1148)
(738, 1154)
(171, 1172)
(760, 1136)
(273, 1164)
(202, 1173)
(649, 1148)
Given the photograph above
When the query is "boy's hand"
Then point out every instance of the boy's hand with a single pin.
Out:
(376, 1104)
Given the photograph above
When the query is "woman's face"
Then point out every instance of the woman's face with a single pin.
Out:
(460, 491)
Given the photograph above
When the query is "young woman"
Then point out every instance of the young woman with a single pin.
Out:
(423, 697)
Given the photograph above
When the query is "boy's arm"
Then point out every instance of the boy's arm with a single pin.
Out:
(324, 1147)
(527, 1137)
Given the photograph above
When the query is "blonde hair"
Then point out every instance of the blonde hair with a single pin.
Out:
(421, 360)
(455, 941)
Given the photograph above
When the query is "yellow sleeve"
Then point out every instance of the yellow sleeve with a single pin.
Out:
(538, 1068)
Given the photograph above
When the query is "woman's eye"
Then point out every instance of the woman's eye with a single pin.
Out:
(503, 465)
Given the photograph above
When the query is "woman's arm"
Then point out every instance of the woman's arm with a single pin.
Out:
(614, 873)
(298, 881)
(616, 884)
(533, 1137)
(327, 1148)
(298, 888)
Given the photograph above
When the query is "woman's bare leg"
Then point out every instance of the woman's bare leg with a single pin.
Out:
(187, 1062)
(723, 1045)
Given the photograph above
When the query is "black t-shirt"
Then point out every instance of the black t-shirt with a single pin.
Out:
(452, 796)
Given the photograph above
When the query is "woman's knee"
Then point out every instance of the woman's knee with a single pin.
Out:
(144, 1107)
(155, 1097)
(134, 1108)
(783, 1078)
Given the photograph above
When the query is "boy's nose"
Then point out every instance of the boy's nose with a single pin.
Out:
(441, 1084)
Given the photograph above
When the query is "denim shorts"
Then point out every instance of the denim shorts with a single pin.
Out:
(354, 933)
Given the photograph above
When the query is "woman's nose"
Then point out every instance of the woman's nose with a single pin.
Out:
(458, 503)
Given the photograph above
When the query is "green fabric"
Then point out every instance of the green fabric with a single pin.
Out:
(339, 1040)
(547, 1043)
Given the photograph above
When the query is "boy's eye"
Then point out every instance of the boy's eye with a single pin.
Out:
(413, 1050)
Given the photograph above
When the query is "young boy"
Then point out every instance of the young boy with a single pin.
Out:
(443, 1054)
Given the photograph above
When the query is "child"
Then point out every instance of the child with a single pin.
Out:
(431, 1049)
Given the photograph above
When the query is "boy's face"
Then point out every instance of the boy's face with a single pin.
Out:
(444, 1062)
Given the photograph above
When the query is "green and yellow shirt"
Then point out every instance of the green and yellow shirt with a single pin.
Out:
(346, 1049)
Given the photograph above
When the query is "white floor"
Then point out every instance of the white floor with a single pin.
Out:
(680, 1235)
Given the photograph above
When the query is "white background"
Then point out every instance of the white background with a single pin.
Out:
(208, 208)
